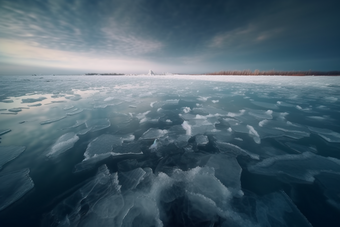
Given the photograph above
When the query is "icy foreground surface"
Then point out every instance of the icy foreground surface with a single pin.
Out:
(14, 185)
(169, 151)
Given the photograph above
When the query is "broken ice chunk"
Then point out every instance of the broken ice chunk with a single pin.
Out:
(154, 145)
(187, 128)
(201, 140)
(329, 135)
(102, 145)
(153, 133)
(186, 109)
(130, 179)
(98, 124)
(300, 167)
(64, 143)
(14, 185)
(253, 133)
(228, 171)
(8, 153)
(127, 148)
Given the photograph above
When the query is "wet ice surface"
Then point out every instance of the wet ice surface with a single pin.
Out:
(169, 151)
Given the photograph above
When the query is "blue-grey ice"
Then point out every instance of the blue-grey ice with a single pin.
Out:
(64, 143)
(4, 131)
(14, 185)
(8, 153)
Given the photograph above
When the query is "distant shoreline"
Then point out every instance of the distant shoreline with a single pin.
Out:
(274, 73)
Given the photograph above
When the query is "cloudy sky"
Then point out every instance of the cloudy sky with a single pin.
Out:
(185, 36)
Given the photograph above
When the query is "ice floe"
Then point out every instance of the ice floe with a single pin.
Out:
(64, 143)
(300, 167)
(14, 185)
(327, 134)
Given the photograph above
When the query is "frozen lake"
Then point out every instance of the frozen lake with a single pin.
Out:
(169, 151)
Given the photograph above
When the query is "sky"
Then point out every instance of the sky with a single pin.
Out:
(176, 36)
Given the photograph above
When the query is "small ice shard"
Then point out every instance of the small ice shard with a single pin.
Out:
(102, 145)
(14, 185)
(236, 114)
(153, 133)
(187, 128)
(152, 103)
(263, 123)
(97, 124)
(64, 143)
(154, 145)
(300, 167)
(327, 134)
(8, 153)
(253, 133)
(215, 101)
(4, 131)
(31, 100)
(260, 114)
(49, 121)
(186, 109)
(203, 99)
(168, 121)
(201, 139)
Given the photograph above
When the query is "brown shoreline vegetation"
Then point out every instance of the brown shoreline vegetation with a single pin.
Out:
(276, 73)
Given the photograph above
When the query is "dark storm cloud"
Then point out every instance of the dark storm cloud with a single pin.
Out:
(217, 33)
